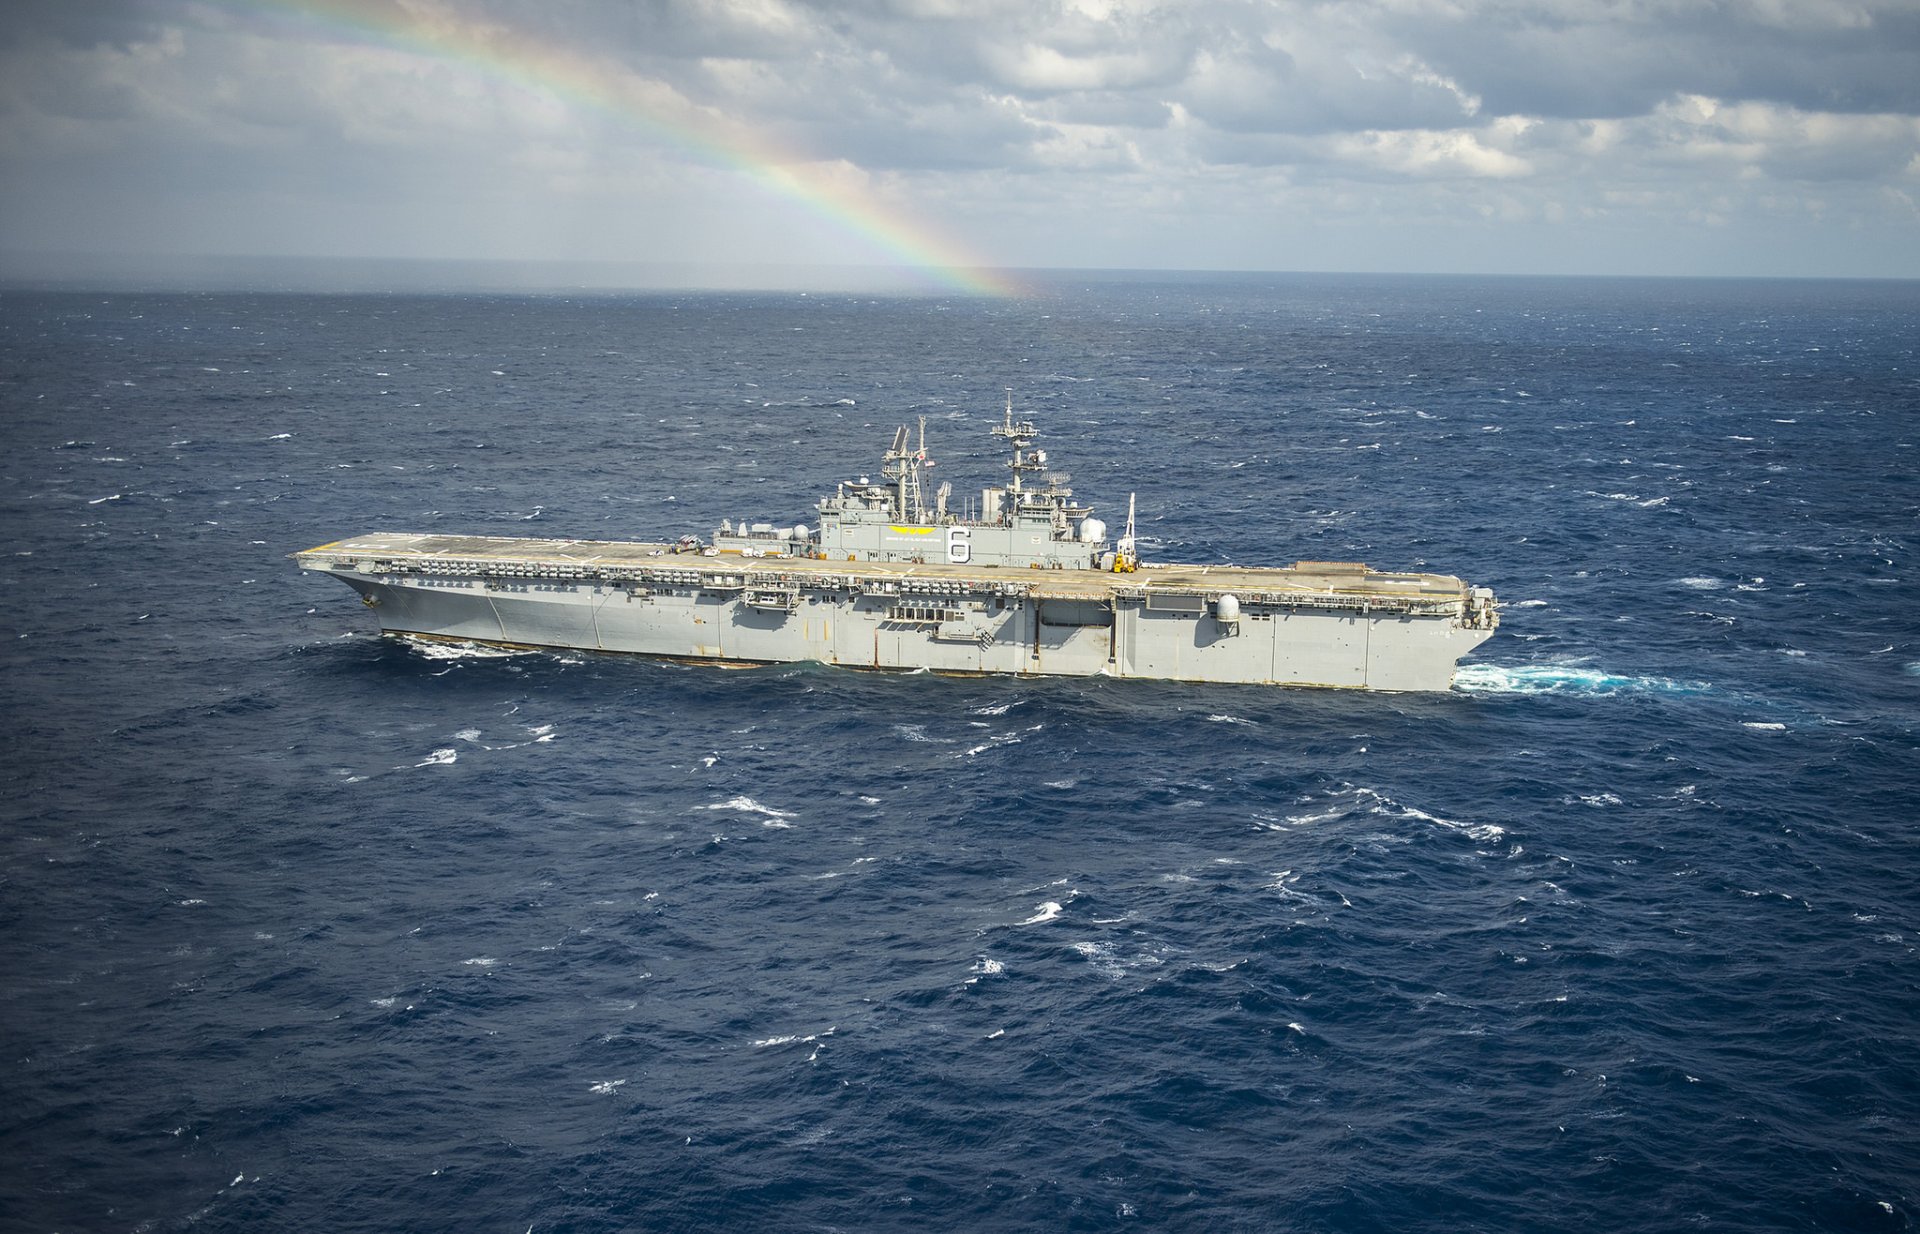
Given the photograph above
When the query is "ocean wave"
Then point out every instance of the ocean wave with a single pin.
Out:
(1105, 959)
(1355, 800)
(793, 1038)
(769, 817)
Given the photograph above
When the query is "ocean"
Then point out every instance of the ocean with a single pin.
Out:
(306, 929)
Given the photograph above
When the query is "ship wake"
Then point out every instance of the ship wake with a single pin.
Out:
(1576, 679)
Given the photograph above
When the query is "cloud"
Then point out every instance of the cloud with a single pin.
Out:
(1082, 130)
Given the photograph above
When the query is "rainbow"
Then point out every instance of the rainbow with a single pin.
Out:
(521, 59)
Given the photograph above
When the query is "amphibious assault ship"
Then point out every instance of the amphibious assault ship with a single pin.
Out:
(1025, 583)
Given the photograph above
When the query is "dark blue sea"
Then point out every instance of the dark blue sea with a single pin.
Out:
(306, 929)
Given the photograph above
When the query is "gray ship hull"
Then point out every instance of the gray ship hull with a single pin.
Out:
(1313, 624)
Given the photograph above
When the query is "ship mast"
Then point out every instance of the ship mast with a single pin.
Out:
(1021, 436)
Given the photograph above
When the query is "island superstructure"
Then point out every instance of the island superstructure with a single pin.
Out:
(1027, 582)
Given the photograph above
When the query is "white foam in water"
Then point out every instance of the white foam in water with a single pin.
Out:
(1350, 799)
(770, 817)
(440, 758)
(1765, 726)
(1004, 739)
(1562, 679)
(1234, 720)
(1099, 957)
(1047, 912)
(1105, 959)
(604, 1087)
(1703, 584)
(790, 1038)
(434, 649)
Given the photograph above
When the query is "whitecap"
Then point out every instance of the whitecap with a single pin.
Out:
(769, 817)
(1349, 798)
(1699, 583)
(790, 1038)
(440, 758)
(1046, 912)
(985, 967)
(1102, 958)
(1099, 957)
(605, 1087)
(1004, 739)
(481, 961)
(1765, 726)
(467, 734)
(1223, 719)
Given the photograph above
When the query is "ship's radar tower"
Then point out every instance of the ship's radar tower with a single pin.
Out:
(1021, 436)
(1030, 521)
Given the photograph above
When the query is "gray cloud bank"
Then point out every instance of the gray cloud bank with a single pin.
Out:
(1641, 136)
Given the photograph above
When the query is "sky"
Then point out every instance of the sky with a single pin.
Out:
(933, 142)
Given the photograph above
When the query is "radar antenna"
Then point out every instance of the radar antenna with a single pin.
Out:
(1126, 554)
